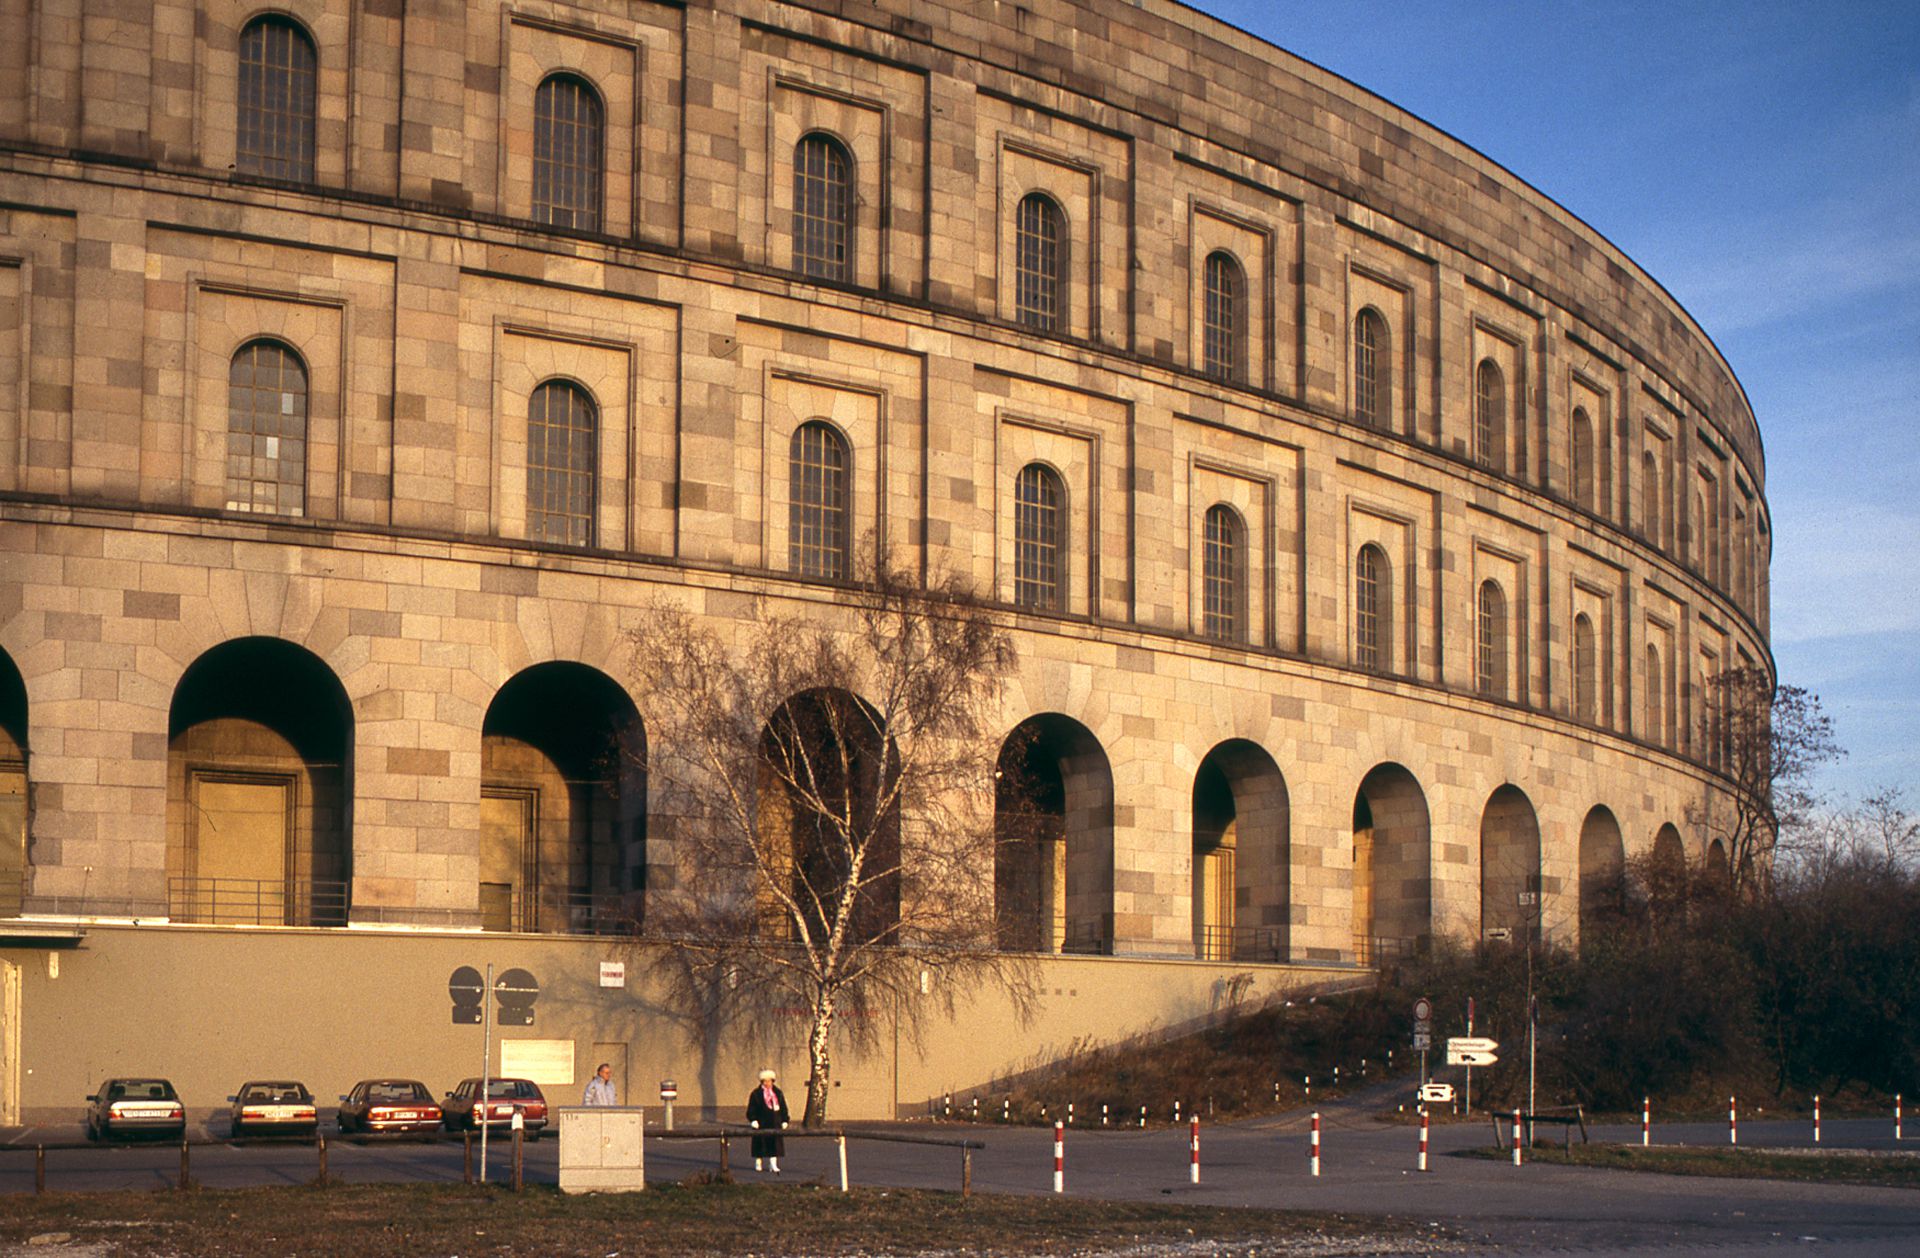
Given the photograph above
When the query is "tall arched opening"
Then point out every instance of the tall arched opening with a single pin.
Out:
(1510, 903)
(1603, 868)
(259, 783)
(1392, 866)
(562, 804)
(1240, 855)
(1053, 854)
(13, 788)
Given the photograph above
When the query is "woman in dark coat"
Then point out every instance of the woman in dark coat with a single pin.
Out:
(767, 1111)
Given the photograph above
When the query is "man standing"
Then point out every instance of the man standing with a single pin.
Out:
(600, 1089)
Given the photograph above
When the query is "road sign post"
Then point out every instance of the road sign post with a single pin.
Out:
(1467, 1092)
(1466, 1050)
(1423, 1033)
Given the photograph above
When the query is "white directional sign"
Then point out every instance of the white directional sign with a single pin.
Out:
(1470, 1057)
(1471, 1044)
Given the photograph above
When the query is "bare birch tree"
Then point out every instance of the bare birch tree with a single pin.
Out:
(1766, 741)
(826, 784)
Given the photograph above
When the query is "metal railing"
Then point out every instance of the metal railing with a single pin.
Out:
(258, 901)
(1252, 944)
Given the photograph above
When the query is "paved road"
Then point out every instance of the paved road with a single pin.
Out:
(1367, 1169)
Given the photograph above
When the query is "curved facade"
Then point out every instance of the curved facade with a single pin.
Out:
(1368, 524)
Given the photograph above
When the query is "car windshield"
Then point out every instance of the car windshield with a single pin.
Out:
(140, 1090)
(275, 1093)
(510, 1089)
(397, 1092)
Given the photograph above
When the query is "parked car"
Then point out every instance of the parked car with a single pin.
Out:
(128, 1107)
(503, 1097)
(282, 1106)
(381, 1105)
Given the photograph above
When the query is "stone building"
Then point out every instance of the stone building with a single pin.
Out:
(1368, 523)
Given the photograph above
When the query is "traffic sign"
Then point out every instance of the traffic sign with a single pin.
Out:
(1422, 1041)
(1469, 1057)
(1423, 1010)
(1471, 1044)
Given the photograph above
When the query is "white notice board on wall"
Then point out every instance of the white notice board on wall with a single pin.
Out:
(543, 1061)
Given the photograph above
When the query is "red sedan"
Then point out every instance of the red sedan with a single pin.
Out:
(389, 1105)
(504, 1096)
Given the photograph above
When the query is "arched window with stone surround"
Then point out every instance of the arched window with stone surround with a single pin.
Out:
(1039, 538)
(563, 443)
(1490, 416)
(1656, 730)
(822, 208)
(276, 100)
(1490, 641)
(1372, 370)
(1225, 325)
(1583, 461)
(267, 430)
(1586, 698)
(1039, 263)
(569, 153)
(1373, 610)
(1223, 579)
(818, 509)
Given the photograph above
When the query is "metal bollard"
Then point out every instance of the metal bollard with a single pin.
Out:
(840, 1139)
(1646, 1121)
(1516, 1137)
(1896, 1116)
(39, 1168)
(1103, 1113)
(723, 1156)
(1733, 1122)
(1193, 1150)
(1143, 1116)
(1423, 1137)
(186, 1178)
(966, 1171)
(1313, 1148)
(1059, 1157)
(1069, 1113)
(321, 1142)
(519, 1140)
(1816, 1118)
(1006, 1109)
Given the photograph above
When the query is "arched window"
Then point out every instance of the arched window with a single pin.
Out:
(1656, 731)
(1490, 641)
(1226, 318)
(563, 439)
(1650, 497)
(1372, 370)
(267, 430)
(1373, 610)
(1490, 416)
(822, 208)
(569, 143)
(1223, 583)
(1039, 503)
(817, 510)
(1586, 705)
(1039, 241)
(273, 133)
(1582, 459)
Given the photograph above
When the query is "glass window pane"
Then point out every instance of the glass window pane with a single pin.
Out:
(275, 97)
(1222, 587)
(1037, 249)
(568, 140)
(266, 430)
(561, 494)
(818, 511)
(822, 209)
(1037, 503)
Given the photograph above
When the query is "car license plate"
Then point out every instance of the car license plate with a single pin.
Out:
(145, 1111)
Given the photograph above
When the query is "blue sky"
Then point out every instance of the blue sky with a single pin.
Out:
(1762, 161)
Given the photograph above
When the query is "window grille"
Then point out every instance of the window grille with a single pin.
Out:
(1372, 380)
(1490, 655)
(568, 148)
(1223, 600)
(278, 80)
(562, 445)
(266, 430)
(817, 511)
(822, 209)
(1038, 248)
(1373, 610)
(1585, 671)
(1490, 428)
(1224, 333)
(1038, 502)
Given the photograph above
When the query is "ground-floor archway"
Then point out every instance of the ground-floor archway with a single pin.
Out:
(1392, 865)
(1053, 850)
(1510, 900)
(1241, 850)
(1603, 869)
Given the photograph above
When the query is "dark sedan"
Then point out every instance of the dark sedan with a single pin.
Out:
(389, 1105)
(504, 1096)
(270, 1107)
(129, 1107)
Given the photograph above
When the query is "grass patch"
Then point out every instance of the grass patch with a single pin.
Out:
(374, 1221)
(1812, 1166)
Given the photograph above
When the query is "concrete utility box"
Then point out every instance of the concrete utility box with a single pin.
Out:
(601, 1149)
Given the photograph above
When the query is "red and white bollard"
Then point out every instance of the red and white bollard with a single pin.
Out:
(1896, 1116)
(1816, 1118)
(1733, 1122)
(1423, 1137)
(1313, 1149)
(1193, 1151)
(1646, 1121)
(1516, 1137)
(1059, 1156)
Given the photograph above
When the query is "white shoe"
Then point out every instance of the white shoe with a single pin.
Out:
(757, 1165)
(776, 1166)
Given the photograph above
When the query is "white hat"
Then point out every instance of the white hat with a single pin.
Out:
(766, 1074)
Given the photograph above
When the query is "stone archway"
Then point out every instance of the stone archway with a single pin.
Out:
(1510, 887)
(1241, 853)
(1053, 821)
(1603, 868)
(1392, 865)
